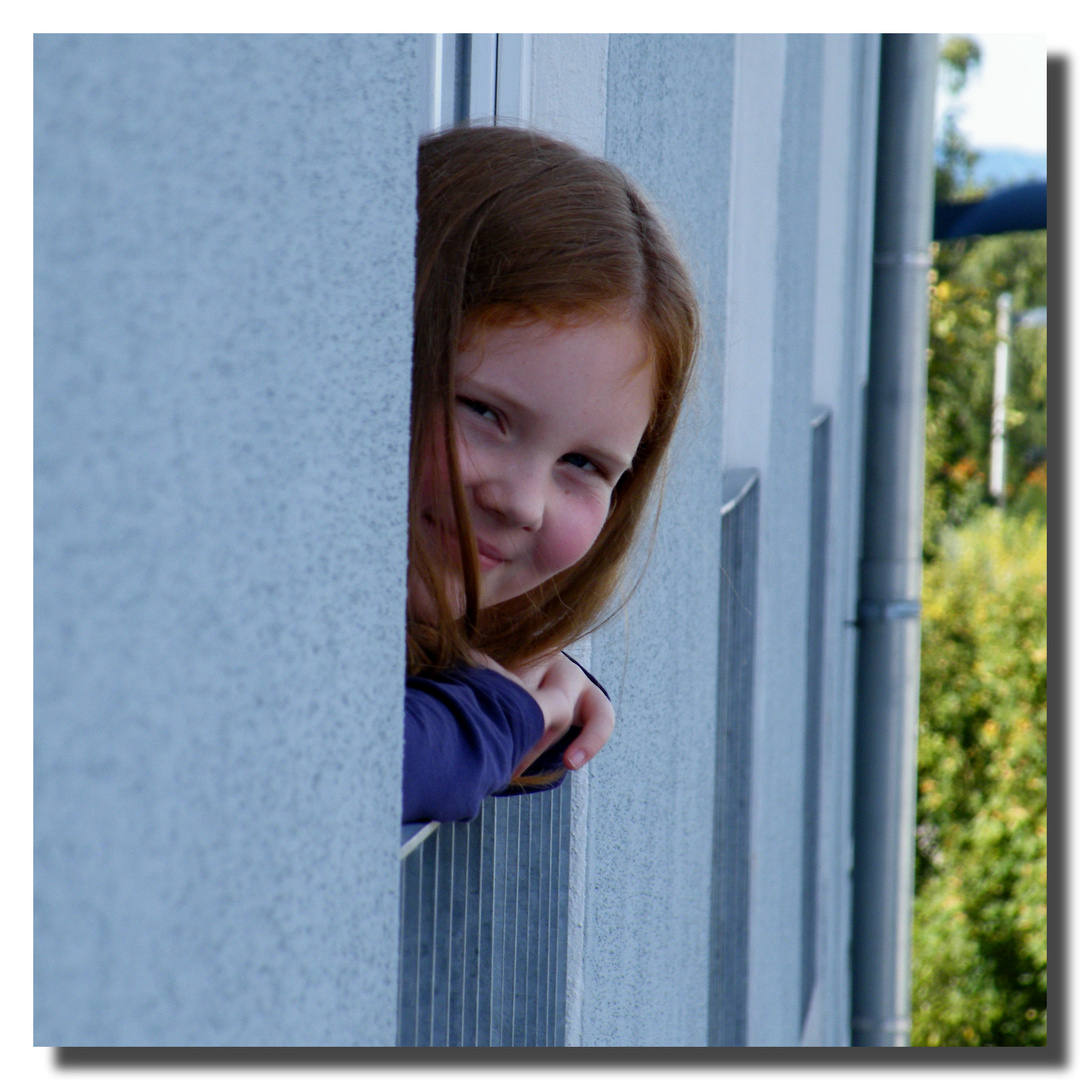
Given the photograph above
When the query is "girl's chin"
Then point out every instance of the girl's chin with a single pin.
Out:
(422, 607)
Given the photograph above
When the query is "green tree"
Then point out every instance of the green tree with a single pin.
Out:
(968, 276)
(956, 160)
(979, 944)
(979, 973)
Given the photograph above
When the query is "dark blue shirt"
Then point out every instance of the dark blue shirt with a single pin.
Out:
(465, 731)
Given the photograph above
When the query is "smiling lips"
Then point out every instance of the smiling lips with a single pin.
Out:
(489, 556)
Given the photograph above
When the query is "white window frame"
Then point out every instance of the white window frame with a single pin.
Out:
(496, 69)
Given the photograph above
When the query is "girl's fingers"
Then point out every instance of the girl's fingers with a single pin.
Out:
(567, 697)
(558, 708)
(597, 720)
(560, 704)
(556, 724)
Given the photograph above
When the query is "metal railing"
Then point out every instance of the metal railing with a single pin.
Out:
(815, 661)
(729, 931)
(484, 927)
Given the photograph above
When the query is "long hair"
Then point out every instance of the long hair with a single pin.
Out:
(515, 226)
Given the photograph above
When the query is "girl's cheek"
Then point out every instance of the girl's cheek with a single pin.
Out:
(577, 531)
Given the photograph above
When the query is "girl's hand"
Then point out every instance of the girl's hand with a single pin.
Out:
(567, 698)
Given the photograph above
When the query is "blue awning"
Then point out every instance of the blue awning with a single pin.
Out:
(1021, 208)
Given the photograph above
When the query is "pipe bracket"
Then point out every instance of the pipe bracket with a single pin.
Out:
(903, 258)
(883, 610)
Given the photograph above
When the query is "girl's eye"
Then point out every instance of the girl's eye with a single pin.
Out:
(478, 407)
(580, 461)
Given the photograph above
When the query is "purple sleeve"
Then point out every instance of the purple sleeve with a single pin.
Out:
(464, 733)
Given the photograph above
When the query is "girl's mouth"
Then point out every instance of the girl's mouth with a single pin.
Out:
(487, 555)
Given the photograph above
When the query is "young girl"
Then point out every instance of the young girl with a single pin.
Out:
(555, 331)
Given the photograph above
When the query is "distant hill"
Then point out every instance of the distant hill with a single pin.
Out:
(1000, 166)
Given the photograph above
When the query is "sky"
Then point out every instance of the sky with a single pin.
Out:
(1004, 102)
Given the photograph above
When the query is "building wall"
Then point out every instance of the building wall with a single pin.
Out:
(780, 716)
(758, 149)
(651, 790)
(224, 230)
(844, 251)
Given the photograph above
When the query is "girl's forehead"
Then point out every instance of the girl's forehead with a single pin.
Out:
(583, 336)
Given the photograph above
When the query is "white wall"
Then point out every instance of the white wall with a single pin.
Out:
(651, 791)
(223, 274)
(845, 239)
(758, 149)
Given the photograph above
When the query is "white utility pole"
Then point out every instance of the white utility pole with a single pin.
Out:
(1001, 383)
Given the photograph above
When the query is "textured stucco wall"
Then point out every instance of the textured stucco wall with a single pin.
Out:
(780, 716)
(751, 301)
(568, 87)
(223, 273)
(651, 790)
(756, 147)
(845, 241)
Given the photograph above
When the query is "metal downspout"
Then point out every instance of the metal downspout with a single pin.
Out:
(887, 686)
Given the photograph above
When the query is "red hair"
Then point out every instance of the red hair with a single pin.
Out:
(516, 226)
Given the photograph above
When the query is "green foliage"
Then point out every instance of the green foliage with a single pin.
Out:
(968, 277)
(979, 973)
(979, 946)
(956, 160)
(959, 57)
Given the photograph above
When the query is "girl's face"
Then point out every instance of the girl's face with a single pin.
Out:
(548, 417)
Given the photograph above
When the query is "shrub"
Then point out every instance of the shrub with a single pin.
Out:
(979, 974)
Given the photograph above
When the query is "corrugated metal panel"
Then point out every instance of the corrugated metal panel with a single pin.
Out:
(815, 659)
(484, 925)
(729, 931)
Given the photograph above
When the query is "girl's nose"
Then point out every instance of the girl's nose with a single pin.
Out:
(516, 500)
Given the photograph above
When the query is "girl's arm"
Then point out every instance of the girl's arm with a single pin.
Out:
(469, 731)
(464, 733)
